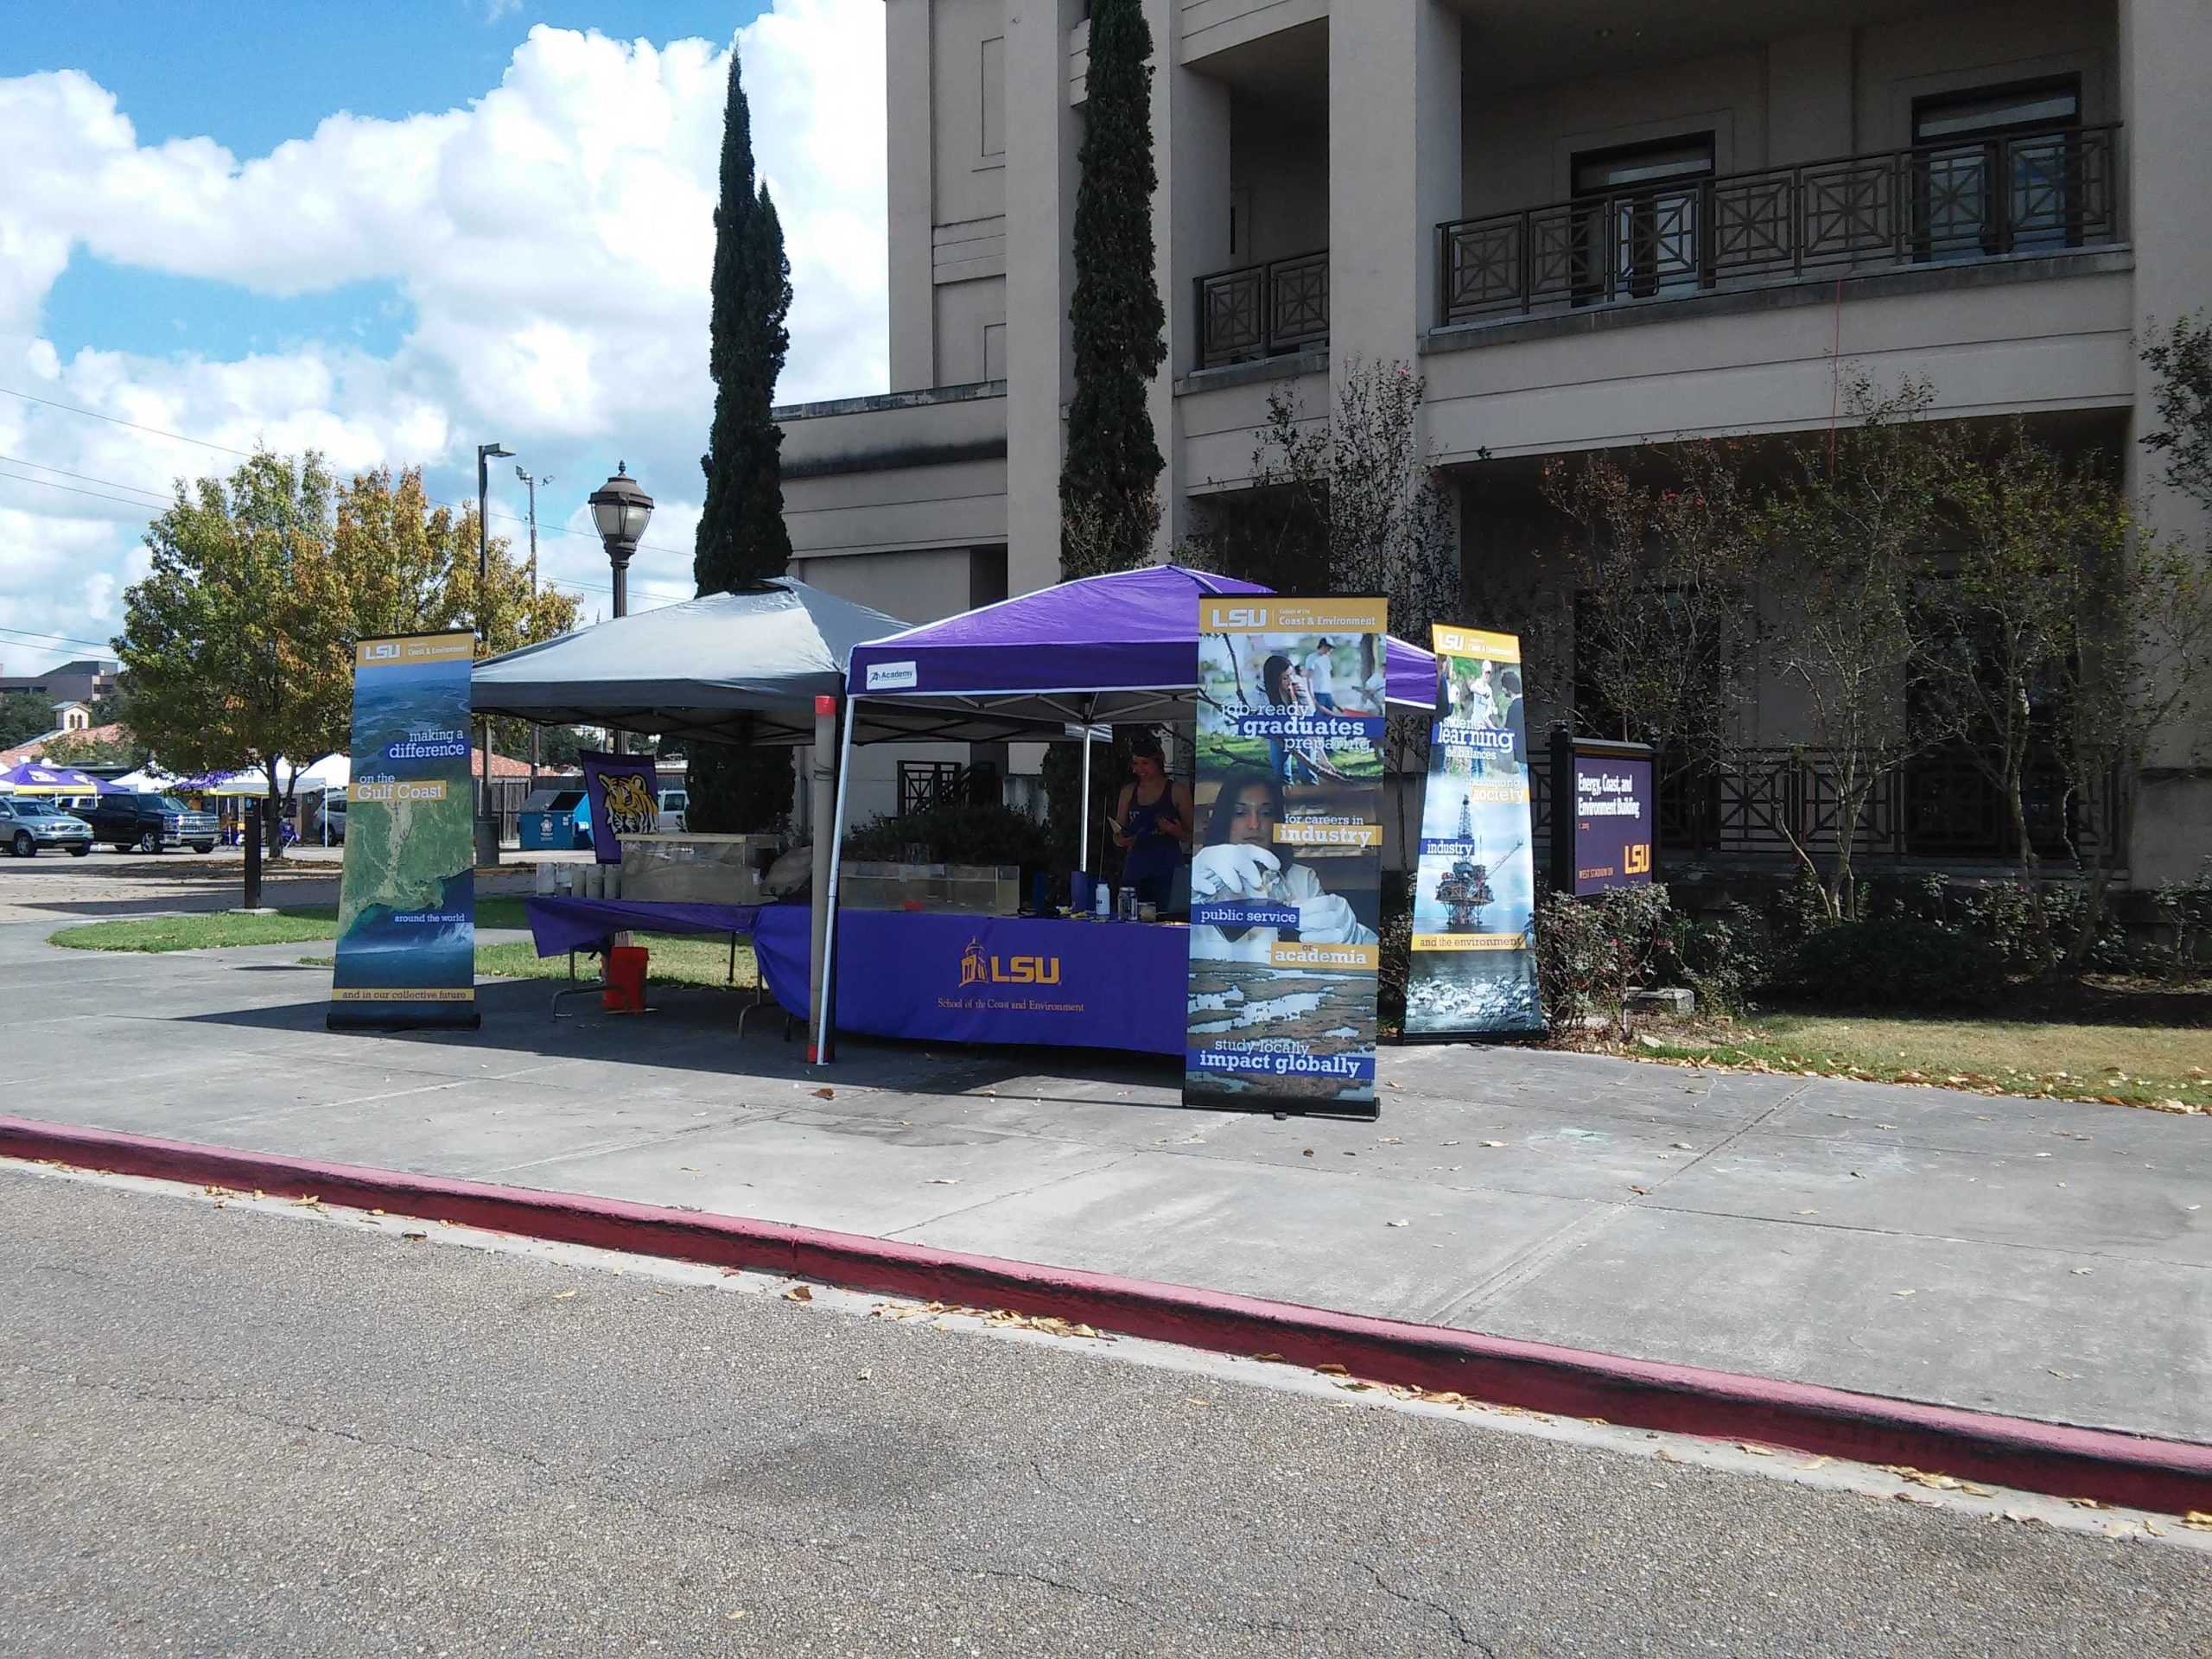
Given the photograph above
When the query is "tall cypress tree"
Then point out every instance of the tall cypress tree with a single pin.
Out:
(1107, 502)
(742, 534)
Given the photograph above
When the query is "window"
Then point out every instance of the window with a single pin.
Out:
(1997, 170)
(1638, 230)
(992, 121)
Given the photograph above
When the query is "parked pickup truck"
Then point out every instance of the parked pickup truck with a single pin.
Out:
(149, 823)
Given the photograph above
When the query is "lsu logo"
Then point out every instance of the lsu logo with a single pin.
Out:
(630, 804)
(976, 969)
(383, 651)
(1244, 616)
(1638, 861)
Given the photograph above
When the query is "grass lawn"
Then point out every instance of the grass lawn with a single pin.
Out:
(2127, 1064)
(672, 959)
(291, 924)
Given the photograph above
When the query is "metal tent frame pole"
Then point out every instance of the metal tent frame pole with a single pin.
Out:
(821, 1049)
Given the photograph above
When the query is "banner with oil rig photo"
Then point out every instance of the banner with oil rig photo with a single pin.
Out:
(1473, 969)
(1286, 872)
(407, 902)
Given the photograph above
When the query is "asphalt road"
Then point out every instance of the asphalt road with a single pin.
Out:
(225, 1431)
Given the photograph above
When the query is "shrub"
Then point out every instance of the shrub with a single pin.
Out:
(984, 833)
(1591, 952)
(1721, 957)
(1895, 962)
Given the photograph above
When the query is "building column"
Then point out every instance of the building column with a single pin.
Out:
(909, 194)
(2167, 135)
(1393, 174)
(1044, 135)
(1190, 236)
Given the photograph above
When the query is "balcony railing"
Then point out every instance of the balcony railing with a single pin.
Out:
(1934, 809)
(1263, 311)
(2036, 192)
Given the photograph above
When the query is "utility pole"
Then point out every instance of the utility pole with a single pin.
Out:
(530, 481)
(488, 819)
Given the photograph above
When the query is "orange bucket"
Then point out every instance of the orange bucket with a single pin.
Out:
(626, 980)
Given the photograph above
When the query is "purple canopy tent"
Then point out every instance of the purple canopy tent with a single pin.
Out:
(1117, 649)
(36, 778)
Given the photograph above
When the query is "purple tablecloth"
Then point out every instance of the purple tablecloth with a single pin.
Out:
(559, 925)
(990, 979)
(932, 978)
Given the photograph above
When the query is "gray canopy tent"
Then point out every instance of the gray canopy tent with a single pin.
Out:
(766, 666)
(732, 668)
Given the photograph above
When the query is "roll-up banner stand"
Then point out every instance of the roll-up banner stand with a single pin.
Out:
(1473, 966)
(1286, 873)
(406, 949)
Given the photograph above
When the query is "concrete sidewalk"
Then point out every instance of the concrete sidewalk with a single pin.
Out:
(2035, 1258)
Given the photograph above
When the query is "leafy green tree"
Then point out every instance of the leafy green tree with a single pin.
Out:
(1850, 526)
(1108, 507)
(2180, 361)
(24, 715)
(400, 564)
(84, 749)
(741, 534)
(2029, 530)
(233, 655)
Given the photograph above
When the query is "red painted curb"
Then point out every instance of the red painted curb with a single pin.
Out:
(2171, 1476)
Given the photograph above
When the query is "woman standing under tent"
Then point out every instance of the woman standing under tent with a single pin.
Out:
(1151, 822)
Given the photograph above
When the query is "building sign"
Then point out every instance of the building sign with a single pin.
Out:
(622, 794)
(406, 949)
(1612, 800)
(1286, 879)
(1474, 968)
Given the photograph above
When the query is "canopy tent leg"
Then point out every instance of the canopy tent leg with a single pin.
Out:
(828, 955)
(824, 775)
(1083, 860)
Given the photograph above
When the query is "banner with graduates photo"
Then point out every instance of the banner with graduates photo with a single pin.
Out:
(1286, 872)
(1473, 968)
(407, 902)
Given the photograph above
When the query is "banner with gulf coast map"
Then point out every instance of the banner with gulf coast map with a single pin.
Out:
(1474, 968)
(406, 904)
(1286, 877)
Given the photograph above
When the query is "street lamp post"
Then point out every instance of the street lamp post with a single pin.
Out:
(488, 819)
(530, 481)
(621, 510)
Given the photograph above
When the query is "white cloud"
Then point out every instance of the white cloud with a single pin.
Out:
(552, 242)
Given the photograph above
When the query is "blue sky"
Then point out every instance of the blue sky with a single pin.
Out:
(504, 236)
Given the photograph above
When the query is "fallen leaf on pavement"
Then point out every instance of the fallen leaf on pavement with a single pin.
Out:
(863, 1374)
(1272, 1359)
(944, 1180)
(563, 1295)
(1308, 1153)
(1397, 1224)
(2197, 1520)
(1484, 1143)
(826, 1094)
(798, 1293)
(1193, 1400)
(414, 1235)
(1330, 1368)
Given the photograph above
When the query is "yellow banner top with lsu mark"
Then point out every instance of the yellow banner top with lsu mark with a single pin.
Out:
(1271, 613)
(418, 648)
(1477, 642)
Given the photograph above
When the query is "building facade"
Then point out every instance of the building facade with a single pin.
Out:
(1587, 224)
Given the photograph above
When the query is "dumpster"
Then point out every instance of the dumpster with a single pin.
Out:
(555, 820)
